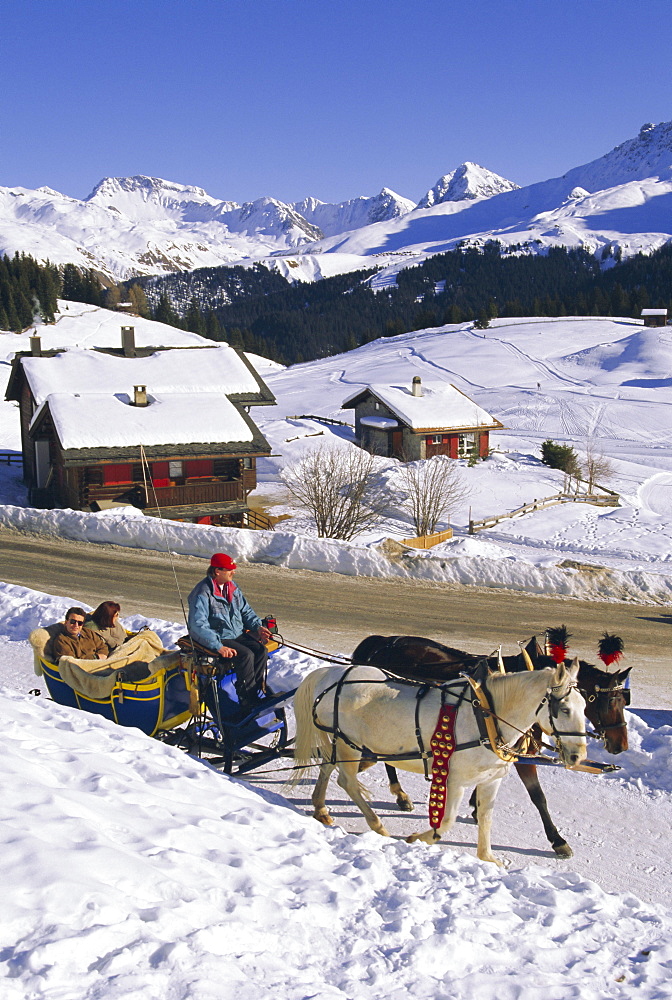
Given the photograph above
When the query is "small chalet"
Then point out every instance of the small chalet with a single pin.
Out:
(654, 317)
(419, 421)
(164, 429)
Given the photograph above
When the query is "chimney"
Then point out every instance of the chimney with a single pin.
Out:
(128, 341)
(416, 388)
(36, 346)
(139, 395)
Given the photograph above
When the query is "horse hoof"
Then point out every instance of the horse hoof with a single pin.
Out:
(405, 805)
(324, 819)
(563, 850)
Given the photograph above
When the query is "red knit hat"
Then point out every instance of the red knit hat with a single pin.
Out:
(220, 560)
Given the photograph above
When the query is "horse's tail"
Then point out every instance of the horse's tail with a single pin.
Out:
(310, 744)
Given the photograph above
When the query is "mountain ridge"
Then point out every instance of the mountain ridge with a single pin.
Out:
(143, 225)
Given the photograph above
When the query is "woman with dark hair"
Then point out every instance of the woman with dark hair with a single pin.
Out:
(105, 622)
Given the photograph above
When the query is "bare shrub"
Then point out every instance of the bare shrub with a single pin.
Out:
(341, 489)
(433, 488)
(596, 467)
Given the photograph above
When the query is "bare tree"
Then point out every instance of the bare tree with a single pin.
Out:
(596, 466)
(341, 489)
(433, 488)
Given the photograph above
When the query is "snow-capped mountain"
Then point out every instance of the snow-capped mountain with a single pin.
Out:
(145, 225)
(355, 213)
(466, 183)
(621, 200)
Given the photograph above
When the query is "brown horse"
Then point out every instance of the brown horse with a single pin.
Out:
(425, 659)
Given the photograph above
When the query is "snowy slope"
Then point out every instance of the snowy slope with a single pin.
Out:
(599, 383)
(132, 870)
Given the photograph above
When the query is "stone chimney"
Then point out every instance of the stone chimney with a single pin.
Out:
(128, 341)
(36, 346)
(140, 395)
(416, 388)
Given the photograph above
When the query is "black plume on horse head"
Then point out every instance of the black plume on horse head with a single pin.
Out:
(610, 649)
(557, 640)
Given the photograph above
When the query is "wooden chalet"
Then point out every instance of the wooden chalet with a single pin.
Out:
(164, 429)
(419, 421)
(654, 317)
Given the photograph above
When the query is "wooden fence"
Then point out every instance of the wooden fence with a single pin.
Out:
(427, 541)
(11, 458)
(323, 420)
(607, 498)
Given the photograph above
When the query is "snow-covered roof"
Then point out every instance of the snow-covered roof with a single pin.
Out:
(440, 407)
(106, 420)
(182, 370)
(654, 312)
(382, 423)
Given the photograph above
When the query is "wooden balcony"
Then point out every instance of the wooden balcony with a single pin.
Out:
(202, 491)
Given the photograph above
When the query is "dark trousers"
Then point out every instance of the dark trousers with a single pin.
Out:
(249, 665)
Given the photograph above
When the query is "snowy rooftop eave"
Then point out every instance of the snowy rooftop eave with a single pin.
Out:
(440, 407)
(100, 426)
(218, 369)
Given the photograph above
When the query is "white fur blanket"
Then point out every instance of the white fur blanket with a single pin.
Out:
(97, 678)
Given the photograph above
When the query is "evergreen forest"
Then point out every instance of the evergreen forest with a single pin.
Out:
(261, 311)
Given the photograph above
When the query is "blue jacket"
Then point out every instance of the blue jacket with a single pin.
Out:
(212, 620)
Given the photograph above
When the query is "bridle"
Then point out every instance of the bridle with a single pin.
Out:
(603, 697)
(554, 699)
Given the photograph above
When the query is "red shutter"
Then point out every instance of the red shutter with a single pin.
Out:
(113, 474)
(160, 474)
(199, 468)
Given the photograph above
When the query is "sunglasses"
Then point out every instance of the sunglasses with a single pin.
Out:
(75, 621)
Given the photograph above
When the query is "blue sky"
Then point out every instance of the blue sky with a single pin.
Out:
(331, 98)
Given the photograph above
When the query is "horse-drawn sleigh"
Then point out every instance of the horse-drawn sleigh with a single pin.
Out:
(185, 697)
(381, 704)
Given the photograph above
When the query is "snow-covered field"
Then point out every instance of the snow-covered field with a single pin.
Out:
(592, 383)
(130, 870)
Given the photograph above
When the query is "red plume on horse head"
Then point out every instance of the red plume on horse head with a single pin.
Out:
(557, 640)
(610, 649)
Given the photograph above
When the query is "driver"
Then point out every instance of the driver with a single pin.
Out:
(221, 620)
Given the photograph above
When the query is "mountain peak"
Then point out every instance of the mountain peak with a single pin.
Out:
(148, 188)
(466, 183)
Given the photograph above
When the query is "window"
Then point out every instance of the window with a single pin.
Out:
(175, 470)
(247, 463)
(377, 405)
(466, 445)
(436, 439)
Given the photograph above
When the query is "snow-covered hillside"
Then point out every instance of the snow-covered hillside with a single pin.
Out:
(603, 384)
(144, 225)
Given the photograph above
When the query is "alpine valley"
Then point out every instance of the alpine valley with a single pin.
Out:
(613, 207)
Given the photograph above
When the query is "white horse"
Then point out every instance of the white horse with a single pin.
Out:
(379, 713)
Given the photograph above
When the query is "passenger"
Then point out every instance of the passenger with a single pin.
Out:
(218, 618)
(75, 640)
(105, 622)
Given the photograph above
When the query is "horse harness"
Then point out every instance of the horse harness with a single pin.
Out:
(486, 718)
(604, 697)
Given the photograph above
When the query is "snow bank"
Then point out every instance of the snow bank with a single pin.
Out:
(130, 870)
(129, 527)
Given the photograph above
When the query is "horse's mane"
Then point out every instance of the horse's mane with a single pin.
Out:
(589, 673)
(508, 689)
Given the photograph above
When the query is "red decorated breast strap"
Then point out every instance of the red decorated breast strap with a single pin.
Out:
(442, 744)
